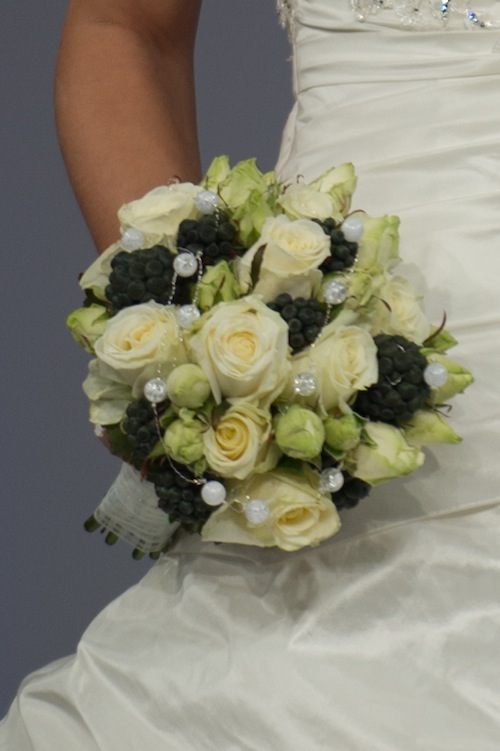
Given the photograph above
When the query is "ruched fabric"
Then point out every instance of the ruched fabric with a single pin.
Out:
(386, 637)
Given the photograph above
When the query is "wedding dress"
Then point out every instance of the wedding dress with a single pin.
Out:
(386, 637)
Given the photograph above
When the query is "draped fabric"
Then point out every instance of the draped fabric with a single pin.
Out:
(385, 637)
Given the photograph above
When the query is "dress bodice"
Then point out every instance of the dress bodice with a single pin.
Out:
(411, 107)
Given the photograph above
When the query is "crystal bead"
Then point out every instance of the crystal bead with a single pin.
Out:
(213, 493)
(132, 239)
(353, 229)
(257, 511)
(155, 390)
(435, 375)
(185, 264)
(335, 292)
(331, 480)
(206, 202)
(305, 384)
(187, 315)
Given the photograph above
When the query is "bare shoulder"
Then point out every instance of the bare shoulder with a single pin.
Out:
(168, 20)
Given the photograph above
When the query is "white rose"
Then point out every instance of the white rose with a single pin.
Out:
(299, 514)
(158, 214)
(339, 183)
(243, 348)
(458, 379)
(293, 250)
(300, 201)
(379, 246)
(96, 277)
(427, 426)
(344, 361)
(400, 311)
(239, 444)
(383, 454)
(109, 397)
(141, 341)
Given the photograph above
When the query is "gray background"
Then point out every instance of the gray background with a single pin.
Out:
(54, 578)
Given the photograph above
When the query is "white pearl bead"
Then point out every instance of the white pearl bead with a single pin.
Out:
(305, 384)
(206, 201)
(331, 480)
(185, 264)
(99, 431)
(257, 511)
(132, 239)
(353, 229)
(435, 375)
(187, 315)
(213, 493)
(155, 390)
(335, 292)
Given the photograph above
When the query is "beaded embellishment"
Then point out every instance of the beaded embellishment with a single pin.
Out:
(425, 13)
(417, 14)
(286, 15)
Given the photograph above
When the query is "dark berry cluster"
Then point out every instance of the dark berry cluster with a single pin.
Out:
(305, 319)
(401, 389)
(180, 498)
(351, 492)
(213, 236)
(353, 489)
(342, 252)
(142, 276)
(141, 427)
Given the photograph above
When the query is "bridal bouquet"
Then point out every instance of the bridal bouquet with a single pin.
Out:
(255, 357)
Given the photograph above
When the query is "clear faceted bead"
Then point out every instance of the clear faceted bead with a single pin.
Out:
(185, 264)
(207, 201)
(187, 315)
(257, 511)
(305, 384)
(155, 390)
(335, 292)
(331, 480)
(132, 239)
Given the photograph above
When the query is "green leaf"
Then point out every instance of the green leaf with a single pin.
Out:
(256, 264)
(439, 341)
(118, 443)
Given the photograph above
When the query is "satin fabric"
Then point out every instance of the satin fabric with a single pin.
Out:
(386, 637)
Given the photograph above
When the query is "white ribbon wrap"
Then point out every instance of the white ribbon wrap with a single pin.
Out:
(130, 510)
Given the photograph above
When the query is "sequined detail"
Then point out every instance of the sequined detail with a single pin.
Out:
(287, 15)
(426, 14)
(416, 14)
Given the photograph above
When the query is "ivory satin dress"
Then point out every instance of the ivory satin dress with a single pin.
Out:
(386, 637)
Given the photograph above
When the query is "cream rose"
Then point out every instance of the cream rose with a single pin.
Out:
(140, 341)
(401, 311)
(293, 250)
(300, 201)
(109, 397)
(299, 514)
(96, 277)
(158, 214)
(239, 444)
(344, 360)
(379, 246)
(242, 347)
(339, 183)
(383, 454)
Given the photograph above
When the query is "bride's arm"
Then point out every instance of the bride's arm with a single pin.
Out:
(125, 102)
